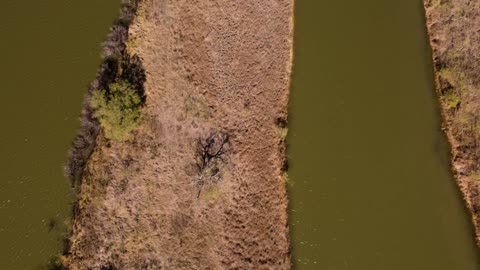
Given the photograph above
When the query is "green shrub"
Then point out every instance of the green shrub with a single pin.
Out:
(452, 100)
(117, 110)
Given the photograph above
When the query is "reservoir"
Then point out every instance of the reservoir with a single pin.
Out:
(50, 51)
(371, 187)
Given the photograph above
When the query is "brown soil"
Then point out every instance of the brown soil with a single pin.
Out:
(214, 69)
(454, 30)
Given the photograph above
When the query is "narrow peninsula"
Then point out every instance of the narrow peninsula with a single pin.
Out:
(180, 163)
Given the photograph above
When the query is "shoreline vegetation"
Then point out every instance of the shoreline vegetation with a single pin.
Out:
(115, 58)
(117, 66)
(455, 41)
(180, 160)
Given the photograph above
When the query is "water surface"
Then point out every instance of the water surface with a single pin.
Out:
(371, 187)
(49, 54)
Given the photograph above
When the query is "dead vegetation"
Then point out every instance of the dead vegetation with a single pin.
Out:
(210, 155)
(454, 30)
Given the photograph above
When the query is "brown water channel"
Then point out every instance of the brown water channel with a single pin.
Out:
(371, 186)
(49, 54)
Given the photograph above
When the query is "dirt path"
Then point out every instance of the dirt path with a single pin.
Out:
(218, 75)
(454, 30)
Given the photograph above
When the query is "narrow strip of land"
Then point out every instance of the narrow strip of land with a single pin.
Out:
(201, 185)
(455, 39)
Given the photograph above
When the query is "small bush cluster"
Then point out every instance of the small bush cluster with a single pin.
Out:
(118, 110)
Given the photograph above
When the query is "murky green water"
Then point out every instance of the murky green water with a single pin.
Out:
(372, 188)
(49, 53)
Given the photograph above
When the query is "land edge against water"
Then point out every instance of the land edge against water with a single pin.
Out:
(463, 155)
(91, 245)
(113, 49)
(84, 142)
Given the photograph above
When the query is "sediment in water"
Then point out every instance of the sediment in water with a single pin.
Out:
(455, 41)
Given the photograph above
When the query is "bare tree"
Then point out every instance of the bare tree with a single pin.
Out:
(210, 153)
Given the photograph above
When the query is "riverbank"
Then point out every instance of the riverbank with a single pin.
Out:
(454, 38)
(217, 86)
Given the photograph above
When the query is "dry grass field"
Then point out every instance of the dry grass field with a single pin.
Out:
(201, 185)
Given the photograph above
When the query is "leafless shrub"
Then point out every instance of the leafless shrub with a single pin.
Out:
(115, 43)
(210, 154)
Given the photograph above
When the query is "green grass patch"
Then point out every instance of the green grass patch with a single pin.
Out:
(452, 100)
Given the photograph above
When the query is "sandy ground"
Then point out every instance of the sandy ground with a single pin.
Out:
(454, 30)
(215, 68)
